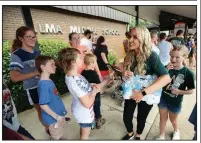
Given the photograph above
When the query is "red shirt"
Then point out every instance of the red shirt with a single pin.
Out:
(83, 49)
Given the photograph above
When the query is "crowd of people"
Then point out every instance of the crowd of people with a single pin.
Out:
(87, 74)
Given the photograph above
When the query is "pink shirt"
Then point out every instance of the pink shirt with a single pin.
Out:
(82, 50)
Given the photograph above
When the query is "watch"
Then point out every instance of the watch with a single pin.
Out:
(144, 93)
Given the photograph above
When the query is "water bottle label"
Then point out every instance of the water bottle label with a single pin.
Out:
(127, 95)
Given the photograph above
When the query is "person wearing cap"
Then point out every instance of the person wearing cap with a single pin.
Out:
(85, 41)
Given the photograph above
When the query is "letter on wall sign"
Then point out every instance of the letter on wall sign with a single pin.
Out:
(73, 29)
(41, 29)
(50, 28)
(78, 29)
(83, 29)
(59, 30)
(96, 31)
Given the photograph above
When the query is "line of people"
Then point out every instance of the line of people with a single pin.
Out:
(87, 75)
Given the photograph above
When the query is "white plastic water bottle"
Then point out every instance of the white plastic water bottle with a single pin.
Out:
(137, 85)
(178, 81)
(127, 88)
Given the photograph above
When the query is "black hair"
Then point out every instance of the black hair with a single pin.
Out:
(162, 36)
(179, 32)
(86, 32)
(100, 40)
(70, 36)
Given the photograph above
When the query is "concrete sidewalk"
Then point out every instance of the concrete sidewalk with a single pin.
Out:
(114, 128)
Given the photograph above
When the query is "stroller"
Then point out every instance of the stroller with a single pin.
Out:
(118, 77)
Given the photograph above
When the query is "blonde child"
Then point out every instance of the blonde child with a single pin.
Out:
(172, 96)
(82, 91)
(92, 77)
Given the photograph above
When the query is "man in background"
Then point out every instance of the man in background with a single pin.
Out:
(126, 42)
(154, 40)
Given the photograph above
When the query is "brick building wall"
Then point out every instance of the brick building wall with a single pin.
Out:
(12, 19)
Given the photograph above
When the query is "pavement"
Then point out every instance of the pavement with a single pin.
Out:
(114, 128)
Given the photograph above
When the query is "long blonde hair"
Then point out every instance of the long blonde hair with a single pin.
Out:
(183, 49)
(145, 49)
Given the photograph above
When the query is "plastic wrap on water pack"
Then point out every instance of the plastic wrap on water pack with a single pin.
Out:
(138, 83)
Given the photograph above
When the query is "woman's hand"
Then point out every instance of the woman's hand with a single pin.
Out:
(96, 88)
(137, 96)
(36, 73)
(127, 74)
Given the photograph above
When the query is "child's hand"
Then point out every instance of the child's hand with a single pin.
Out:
(170, 66)
(175, 91)
(96, 88)
(101, 79)
(59, 118)
(127, 74)
(93, 84)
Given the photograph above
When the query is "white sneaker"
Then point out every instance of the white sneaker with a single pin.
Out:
(176, 135)
(160, 138)
(91, 138)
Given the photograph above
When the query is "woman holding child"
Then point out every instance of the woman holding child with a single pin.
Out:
(142, 62)
(74, 40)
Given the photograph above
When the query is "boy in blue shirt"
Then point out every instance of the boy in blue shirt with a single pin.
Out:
(52, 107)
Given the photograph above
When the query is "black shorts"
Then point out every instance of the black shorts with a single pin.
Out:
(32, 95)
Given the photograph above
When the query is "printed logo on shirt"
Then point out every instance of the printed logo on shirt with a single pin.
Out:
(30, 63)
(83, 84)
(174, 84)
(55, 91)
(7, 106)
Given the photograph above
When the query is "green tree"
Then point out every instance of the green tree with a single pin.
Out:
(142, 22)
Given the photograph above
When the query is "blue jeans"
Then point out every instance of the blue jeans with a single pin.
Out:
(24, 132)
(164, 105)
(85, 125)
(97, 104)
(193, 117)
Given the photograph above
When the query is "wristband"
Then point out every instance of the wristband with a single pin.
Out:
(144, 93)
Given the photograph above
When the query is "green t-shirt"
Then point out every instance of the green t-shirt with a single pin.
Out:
(153, 66)
(181, 79)
(177, 41)
(154, 69)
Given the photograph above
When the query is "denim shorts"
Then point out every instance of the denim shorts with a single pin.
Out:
(86, 125)
(164, 105)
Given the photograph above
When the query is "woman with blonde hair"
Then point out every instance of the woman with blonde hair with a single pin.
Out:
(143, 63)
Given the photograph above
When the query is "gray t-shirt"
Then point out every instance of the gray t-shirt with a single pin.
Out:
(24, 62)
